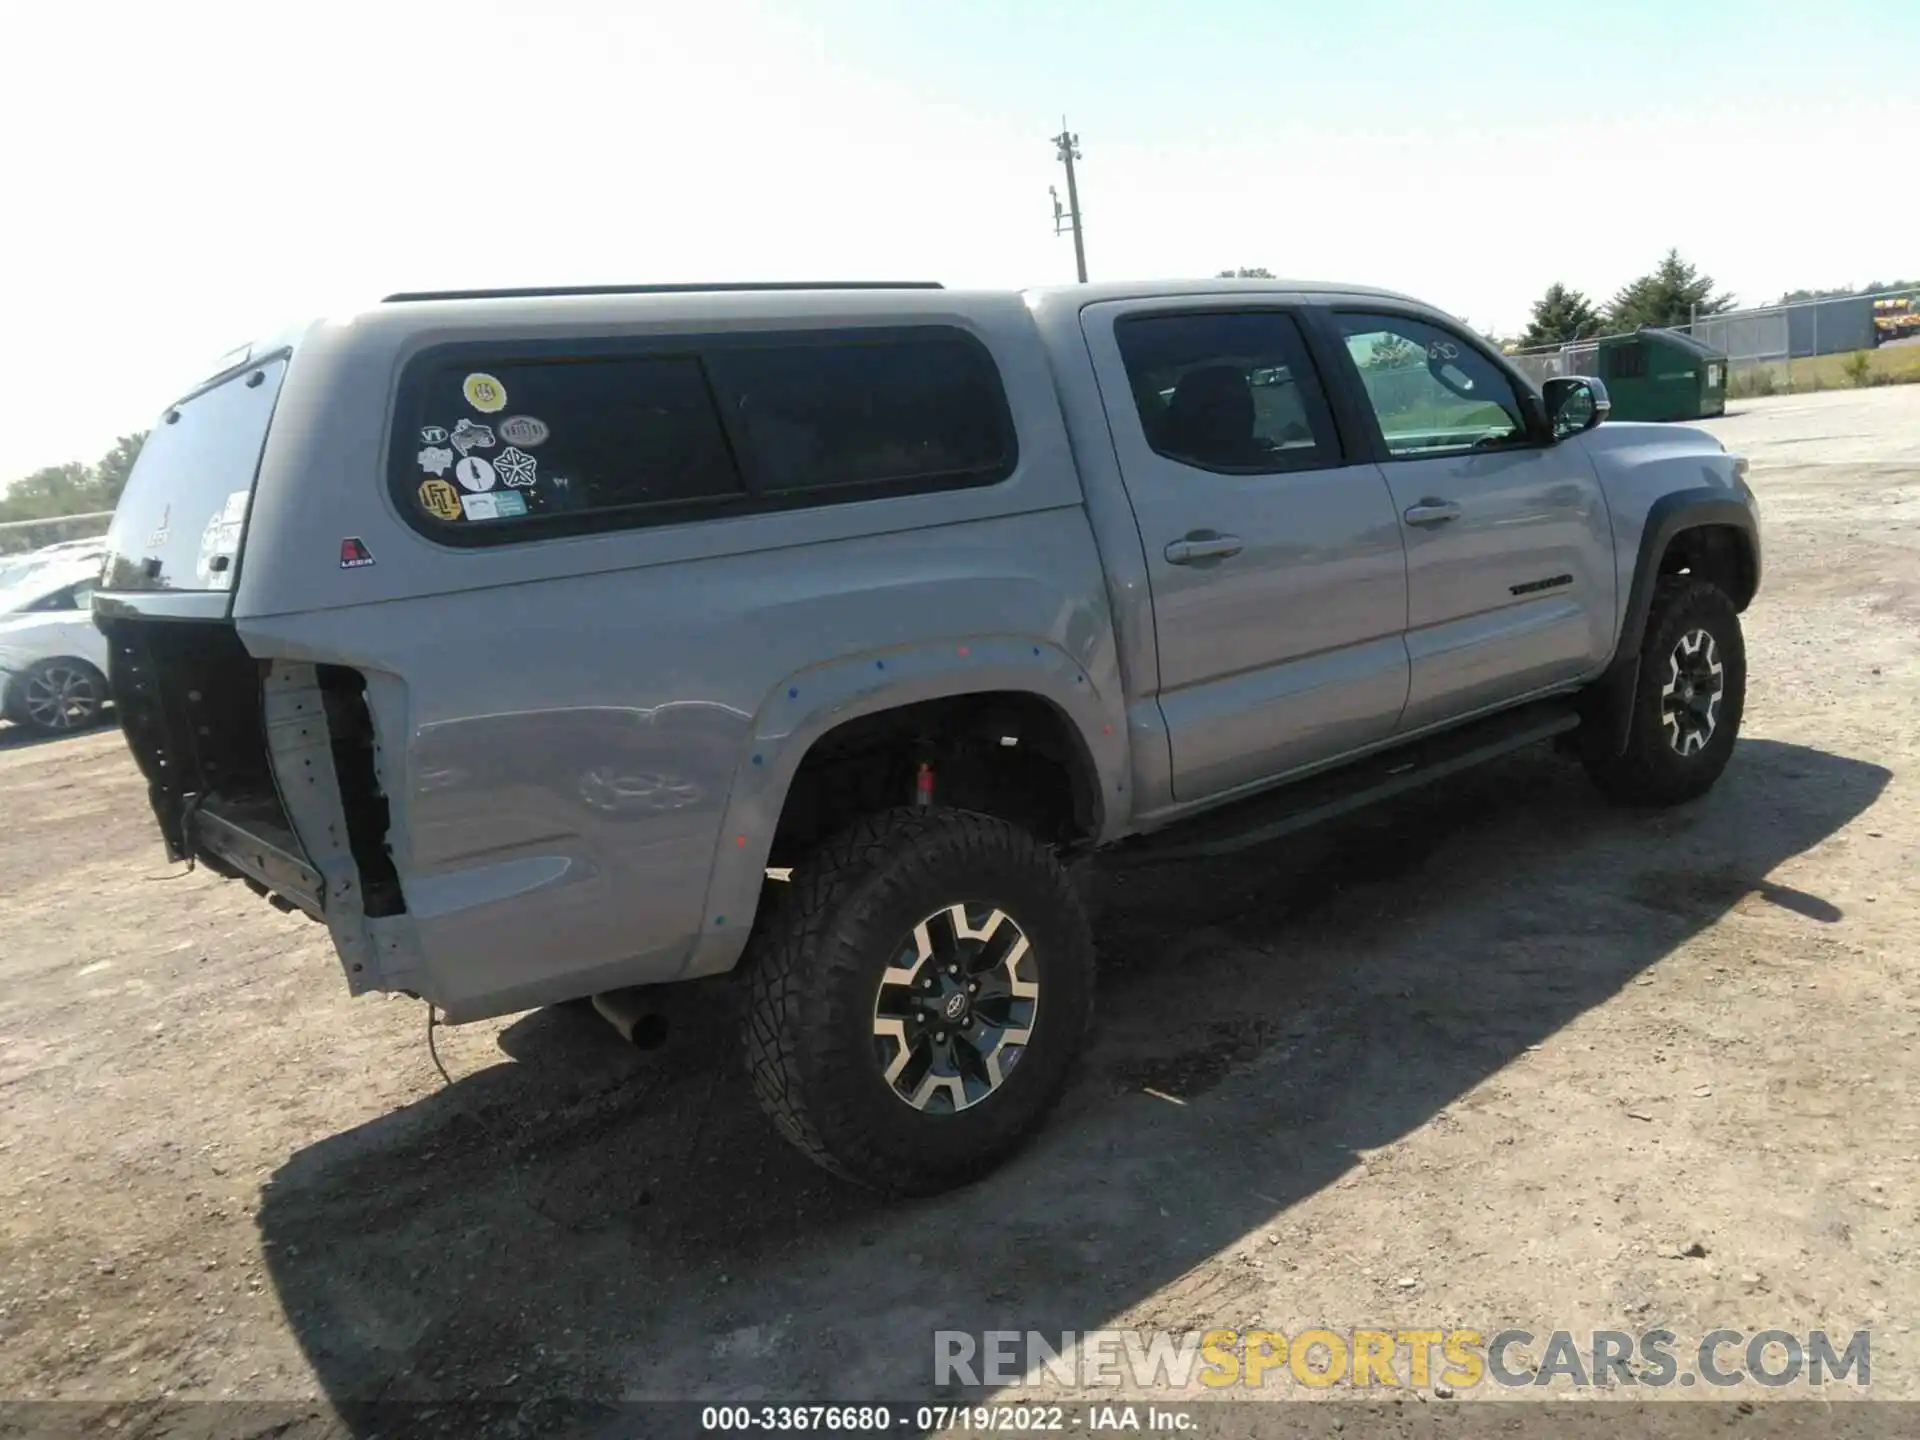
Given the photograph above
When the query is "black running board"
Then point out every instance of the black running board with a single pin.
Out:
(1331, 793)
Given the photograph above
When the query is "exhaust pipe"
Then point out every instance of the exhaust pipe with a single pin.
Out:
(635, 1014)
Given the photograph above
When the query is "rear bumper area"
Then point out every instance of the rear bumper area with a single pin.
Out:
(263, 771)
(252, 842)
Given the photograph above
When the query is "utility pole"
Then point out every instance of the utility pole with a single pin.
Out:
(1067, 148)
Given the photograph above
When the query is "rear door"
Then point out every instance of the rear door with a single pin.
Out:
(1509, 549)
(1274, 556)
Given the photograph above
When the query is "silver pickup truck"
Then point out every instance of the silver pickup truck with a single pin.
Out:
(560, 644)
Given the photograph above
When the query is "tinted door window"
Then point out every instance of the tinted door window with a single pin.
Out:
(74, 597)
(1228, 391)
(1431, 390)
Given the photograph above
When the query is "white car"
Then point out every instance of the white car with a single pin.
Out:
(52, 660)
(18, 570)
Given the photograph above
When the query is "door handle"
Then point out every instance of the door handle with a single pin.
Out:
(1195, 548)
(1432, 512)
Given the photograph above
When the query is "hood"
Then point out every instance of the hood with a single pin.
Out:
(1622, 434)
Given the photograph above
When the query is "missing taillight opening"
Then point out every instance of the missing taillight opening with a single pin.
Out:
(354, 743)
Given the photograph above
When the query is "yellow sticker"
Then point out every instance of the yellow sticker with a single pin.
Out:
(437, 497)
(484, 393)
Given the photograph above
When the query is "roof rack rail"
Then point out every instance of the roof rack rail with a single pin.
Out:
(540, 291)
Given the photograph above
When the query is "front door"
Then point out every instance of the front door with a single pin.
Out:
(1274, 557)
(1510, 576)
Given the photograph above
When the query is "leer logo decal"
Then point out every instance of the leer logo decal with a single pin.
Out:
(354, 554)
(484, 393)
(437, 497)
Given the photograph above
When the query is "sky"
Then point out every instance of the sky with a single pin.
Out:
(183, 178)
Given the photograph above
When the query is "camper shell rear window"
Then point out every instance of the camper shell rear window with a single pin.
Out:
(179, 522)
(504, 442)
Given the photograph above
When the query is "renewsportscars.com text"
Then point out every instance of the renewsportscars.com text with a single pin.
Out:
(1458, 1359)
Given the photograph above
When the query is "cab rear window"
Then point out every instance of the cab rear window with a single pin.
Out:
(498, 445)
(179, 522)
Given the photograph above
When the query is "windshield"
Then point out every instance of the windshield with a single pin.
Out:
(179, 521)
(43, 584)
(13, 572)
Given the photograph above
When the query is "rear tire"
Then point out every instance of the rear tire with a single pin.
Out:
(57, 697)
(1688, 700)
(916, 1003)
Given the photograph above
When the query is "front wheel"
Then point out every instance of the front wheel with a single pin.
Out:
(57, 697)
(1690, 693)
(916, 1005)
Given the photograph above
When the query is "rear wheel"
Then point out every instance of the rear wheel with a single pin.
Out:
(916, 1005)
(55, 697)
(1687, 704)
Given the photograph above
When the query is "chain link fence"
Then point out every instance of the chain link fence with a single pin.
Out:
(1768, 348)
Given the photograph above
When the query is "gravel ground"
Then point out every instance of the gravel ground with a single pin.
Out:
(1496, 1055)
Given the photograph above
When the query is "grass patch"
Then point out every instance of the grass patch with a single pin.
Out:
(1895, 365)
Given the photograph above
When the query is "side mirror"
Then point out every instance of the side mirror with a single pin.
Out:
(1574, 403)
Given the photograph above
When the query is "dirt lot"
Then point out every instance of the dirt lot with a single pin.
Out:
(1496, 1055)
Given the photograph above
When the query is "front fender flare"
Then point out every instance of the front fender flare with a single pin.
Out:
(1613, 694)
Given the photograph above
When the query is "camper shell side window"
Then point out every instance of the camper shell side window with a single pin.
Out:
(504, 442)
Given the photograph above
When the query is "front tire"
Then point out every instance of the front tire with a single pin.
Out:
(1689, 696)
(916, 1004)
(57, 697)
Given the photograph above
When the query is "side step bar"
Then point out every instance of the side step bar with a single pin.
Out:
(1331, 793)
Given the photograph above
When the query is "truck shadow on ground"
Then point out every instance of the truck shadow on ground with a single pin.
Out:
(586, 1223)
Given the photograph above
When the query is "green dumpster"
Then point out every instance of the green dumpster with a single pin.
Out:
(1657, 374)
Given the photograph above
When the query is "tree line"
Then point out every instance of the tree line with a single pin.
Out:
(1671, 293)
(70, 489)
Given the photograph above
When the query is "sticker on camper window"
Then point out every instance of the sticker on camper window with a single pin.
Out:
(435, 459)
(235, 510)
(523, 430)
(473, 473)
(354, 554)
(433, 434)
(509, 502)
(481, 507)
(468, 437)
(484, 393)
(516, 469)
(437, 497)
(218, 542)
